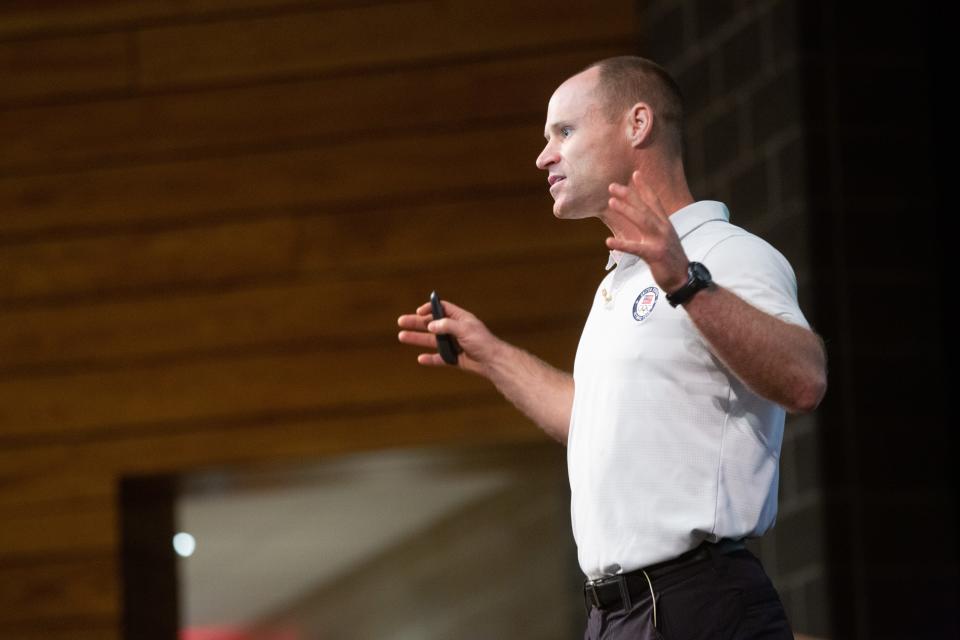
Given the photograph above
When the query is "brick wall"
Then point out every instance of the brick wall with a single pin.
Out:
(824, 126)
(738, 65)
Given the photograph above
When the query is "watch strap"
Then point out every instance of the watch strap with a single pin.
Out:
(698, 278)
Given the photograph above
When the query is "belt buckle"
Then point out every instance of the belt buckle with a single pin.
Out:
(592, 590)
(625, 600)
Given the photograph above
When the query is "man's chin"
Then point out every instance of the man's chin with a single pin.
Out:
(564, 211)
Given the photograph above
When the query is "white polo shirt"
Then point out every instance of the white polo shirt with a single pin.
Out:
(666, 447)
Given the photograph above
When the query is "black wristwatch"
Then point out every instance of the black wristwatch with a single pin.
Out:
(697, 278)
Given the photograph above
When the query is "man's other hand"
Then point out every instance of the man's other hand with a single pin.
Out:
(479, 345)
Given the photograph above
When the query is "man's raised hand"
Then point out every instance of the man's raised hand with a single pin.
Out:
(645, 230)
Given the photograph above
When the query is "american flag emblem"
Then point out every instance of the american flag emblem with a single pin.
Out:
(644, 304)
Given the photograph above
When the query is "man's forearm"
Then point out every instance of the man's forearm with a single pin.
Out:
(782, 362)
(539, 390)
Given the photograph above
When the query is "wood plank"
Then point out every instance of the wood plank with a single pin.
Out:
(124, 400)
(50, 476)
(442, 236)
(508, 295)
(40, 139)
(392, 166)
(63, 527)
(311, 43)
(27, 18)
(58, 67)
(67, 628)
(164, 258)
(59, 588)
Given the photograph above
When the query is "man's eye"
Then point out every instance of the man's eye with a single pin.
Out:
(566, 131)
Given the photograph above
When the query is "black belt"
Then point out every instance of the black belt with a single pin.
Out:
(619, 591)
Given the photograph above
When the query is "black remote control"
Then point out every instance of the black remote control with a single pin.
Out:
(446, 343)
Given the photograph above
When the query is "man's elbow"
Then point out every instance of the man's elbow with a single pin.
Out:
(808, 394)
(811, 384)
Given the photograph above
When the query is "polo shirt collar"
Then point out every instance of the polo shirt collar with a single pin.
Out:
(684, 220)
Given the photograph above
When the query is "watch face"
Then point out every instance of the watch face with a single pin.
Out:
(699, 272)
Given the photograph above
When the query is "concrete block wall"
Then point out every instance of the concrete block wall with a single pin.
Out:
(827, 127)
(738, 64)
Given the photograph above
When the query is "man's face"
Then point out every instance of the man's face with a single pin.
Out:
(585, 152)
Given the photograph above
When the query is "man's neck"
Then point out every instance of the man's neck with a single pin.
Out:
(670, 200)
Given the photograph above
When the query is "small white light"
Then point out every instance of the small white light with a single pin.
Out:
(184, 544)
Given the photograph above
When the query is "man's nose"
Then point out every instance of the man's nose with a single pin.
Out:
(547, 157)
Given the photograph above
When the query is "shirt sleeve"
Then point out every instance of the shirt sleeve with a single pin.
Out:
(751, 268)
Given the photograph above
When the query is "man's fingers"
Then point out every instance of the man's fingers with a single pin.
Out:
(625, 197)
(443, 325)
(627, 246)
(640, 219)
(431, 359)
(650, 197)
(416, 322)
(423, 316)
(418, 339)
(629, 198)
(421, 330)
(637, 193)
(640, 195)
(425, 326)
(449, 309)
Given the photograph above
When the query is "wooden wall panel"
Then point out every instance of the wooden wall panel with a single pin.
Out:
(387, 167)
(148, 259)
(23, 18)
(66, 628)
(123, 399)
(58, 528)
(145, 262)
(318, 315)
(59, 67)
(345, 38)
(82, 471)
(81, 587)
(211, 214)
(300, 113)
(449, 234)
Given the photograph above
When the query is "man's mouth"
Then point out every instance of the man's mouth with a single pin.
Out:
(554, 179)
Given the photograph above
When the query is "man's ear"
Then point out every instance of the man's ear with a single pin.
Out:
(639, 123)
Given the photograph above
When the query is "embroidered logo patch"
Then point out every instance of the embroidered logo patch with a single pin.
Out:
(644, 304)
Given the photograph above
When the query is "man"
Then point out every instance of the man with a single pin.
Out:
(693, 349)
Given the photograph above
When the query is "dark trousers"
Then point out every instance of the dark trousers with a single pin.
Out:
(725, 596)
